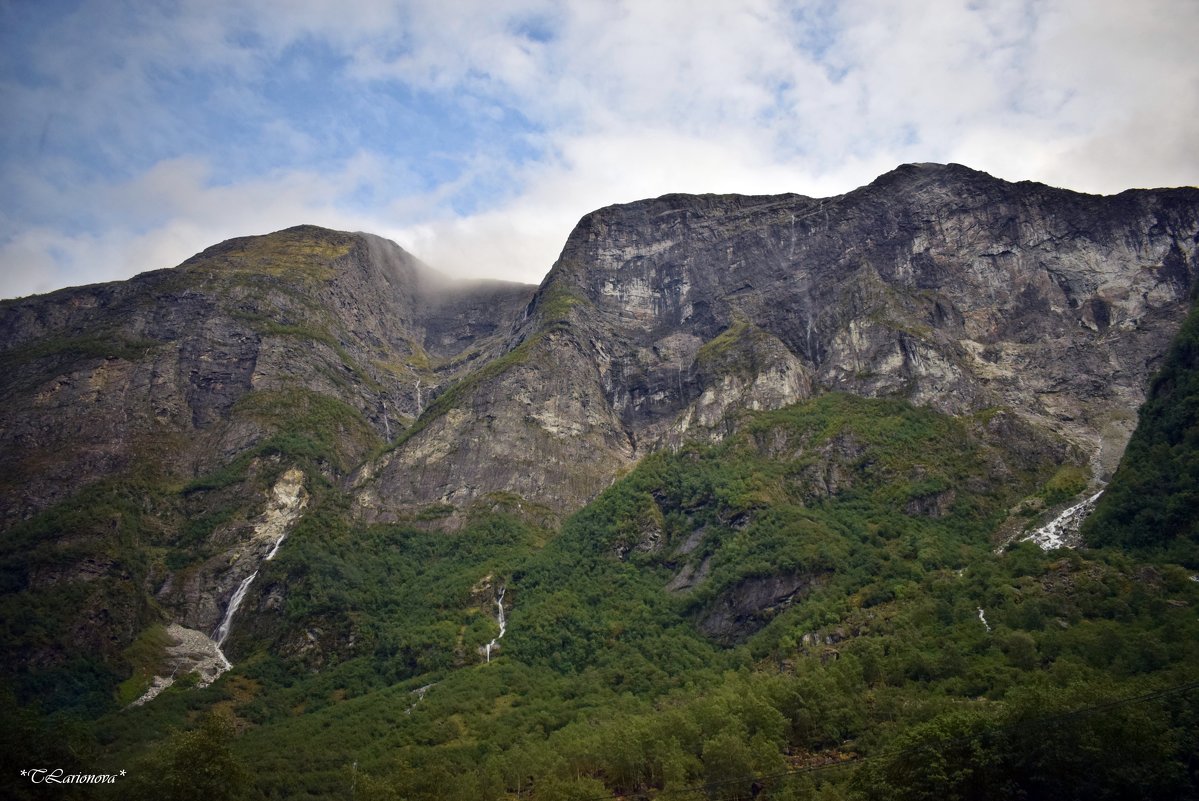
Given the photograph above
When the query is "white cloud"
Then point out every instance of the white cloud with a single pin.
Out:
(1128, 79)
(173, 211)
(627, 99)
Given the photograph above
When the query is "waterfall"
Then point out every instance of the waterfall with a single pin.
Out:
(499, 617)
(1062, 530)
(983, 618)
(274, 550)
(222, 631)
(419, 692)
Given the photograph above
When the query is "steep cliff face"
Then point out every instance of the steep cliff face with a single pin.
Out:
(145, 424)
(936, 283)
(188, 368)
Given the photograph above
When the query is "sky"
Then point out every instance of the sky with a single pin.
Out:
(475, 133)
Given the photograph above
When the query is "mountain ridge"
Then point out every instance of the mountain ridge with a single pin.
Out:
(643, 323)
(663, 320)
(761, 464)
(867, 304)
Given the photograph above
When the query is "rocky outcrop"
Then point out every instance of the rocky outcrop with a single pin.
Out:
(534, 423)
(662, 319)
(186, 369)
(743, 609)
(690, 576)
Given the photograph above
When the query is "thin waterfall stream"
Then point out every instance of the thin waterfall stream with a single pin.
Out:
(983, 617)
(499, 617)
(222, 631)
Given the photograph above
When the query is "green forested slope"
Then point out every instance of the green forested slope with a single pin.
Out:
(897, 657)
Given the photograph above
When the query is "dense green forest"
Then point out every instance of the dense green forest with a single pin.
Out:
(811, 608)
(1152, 506)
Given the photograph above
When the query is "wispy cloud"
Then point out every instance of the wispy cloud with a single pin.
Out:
(476, 133)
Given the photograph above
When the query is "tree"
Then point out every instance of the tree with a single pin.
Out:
(193, 765)
(728, 767)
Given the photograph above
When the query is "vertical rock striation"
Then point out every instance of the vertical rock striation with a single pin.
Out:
(142, 422)
(663, 318)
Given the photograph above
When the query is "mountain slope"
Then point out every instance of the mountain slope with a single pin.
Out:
(816, 589)
(148, 427)
(1152, 505)
(935, 283)
(776, 436)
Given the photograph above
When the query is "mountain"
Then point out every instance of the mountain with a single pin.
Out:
(335, 492)
(122, 368)
(936, 283)
(146, 424)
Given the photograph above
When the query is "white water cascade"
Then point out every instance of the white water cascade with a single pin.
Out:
(499, 617)
(982, 616)
(1062, 531)
(222, 631)
(419, 692)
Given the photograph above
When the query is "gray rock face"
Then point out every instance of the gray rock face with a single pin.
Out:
(937, 283)
(161, 368)
(661, 320)
(176, 396)
(743, 609)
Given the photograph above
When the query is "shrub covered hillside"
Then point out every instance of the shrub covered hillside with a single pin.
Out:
(735, 504)
(809, 609)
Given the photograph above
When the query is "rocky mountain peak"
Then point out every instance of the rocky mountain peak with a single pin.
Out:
(661, 320)
(937, 283)
(236, 344)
